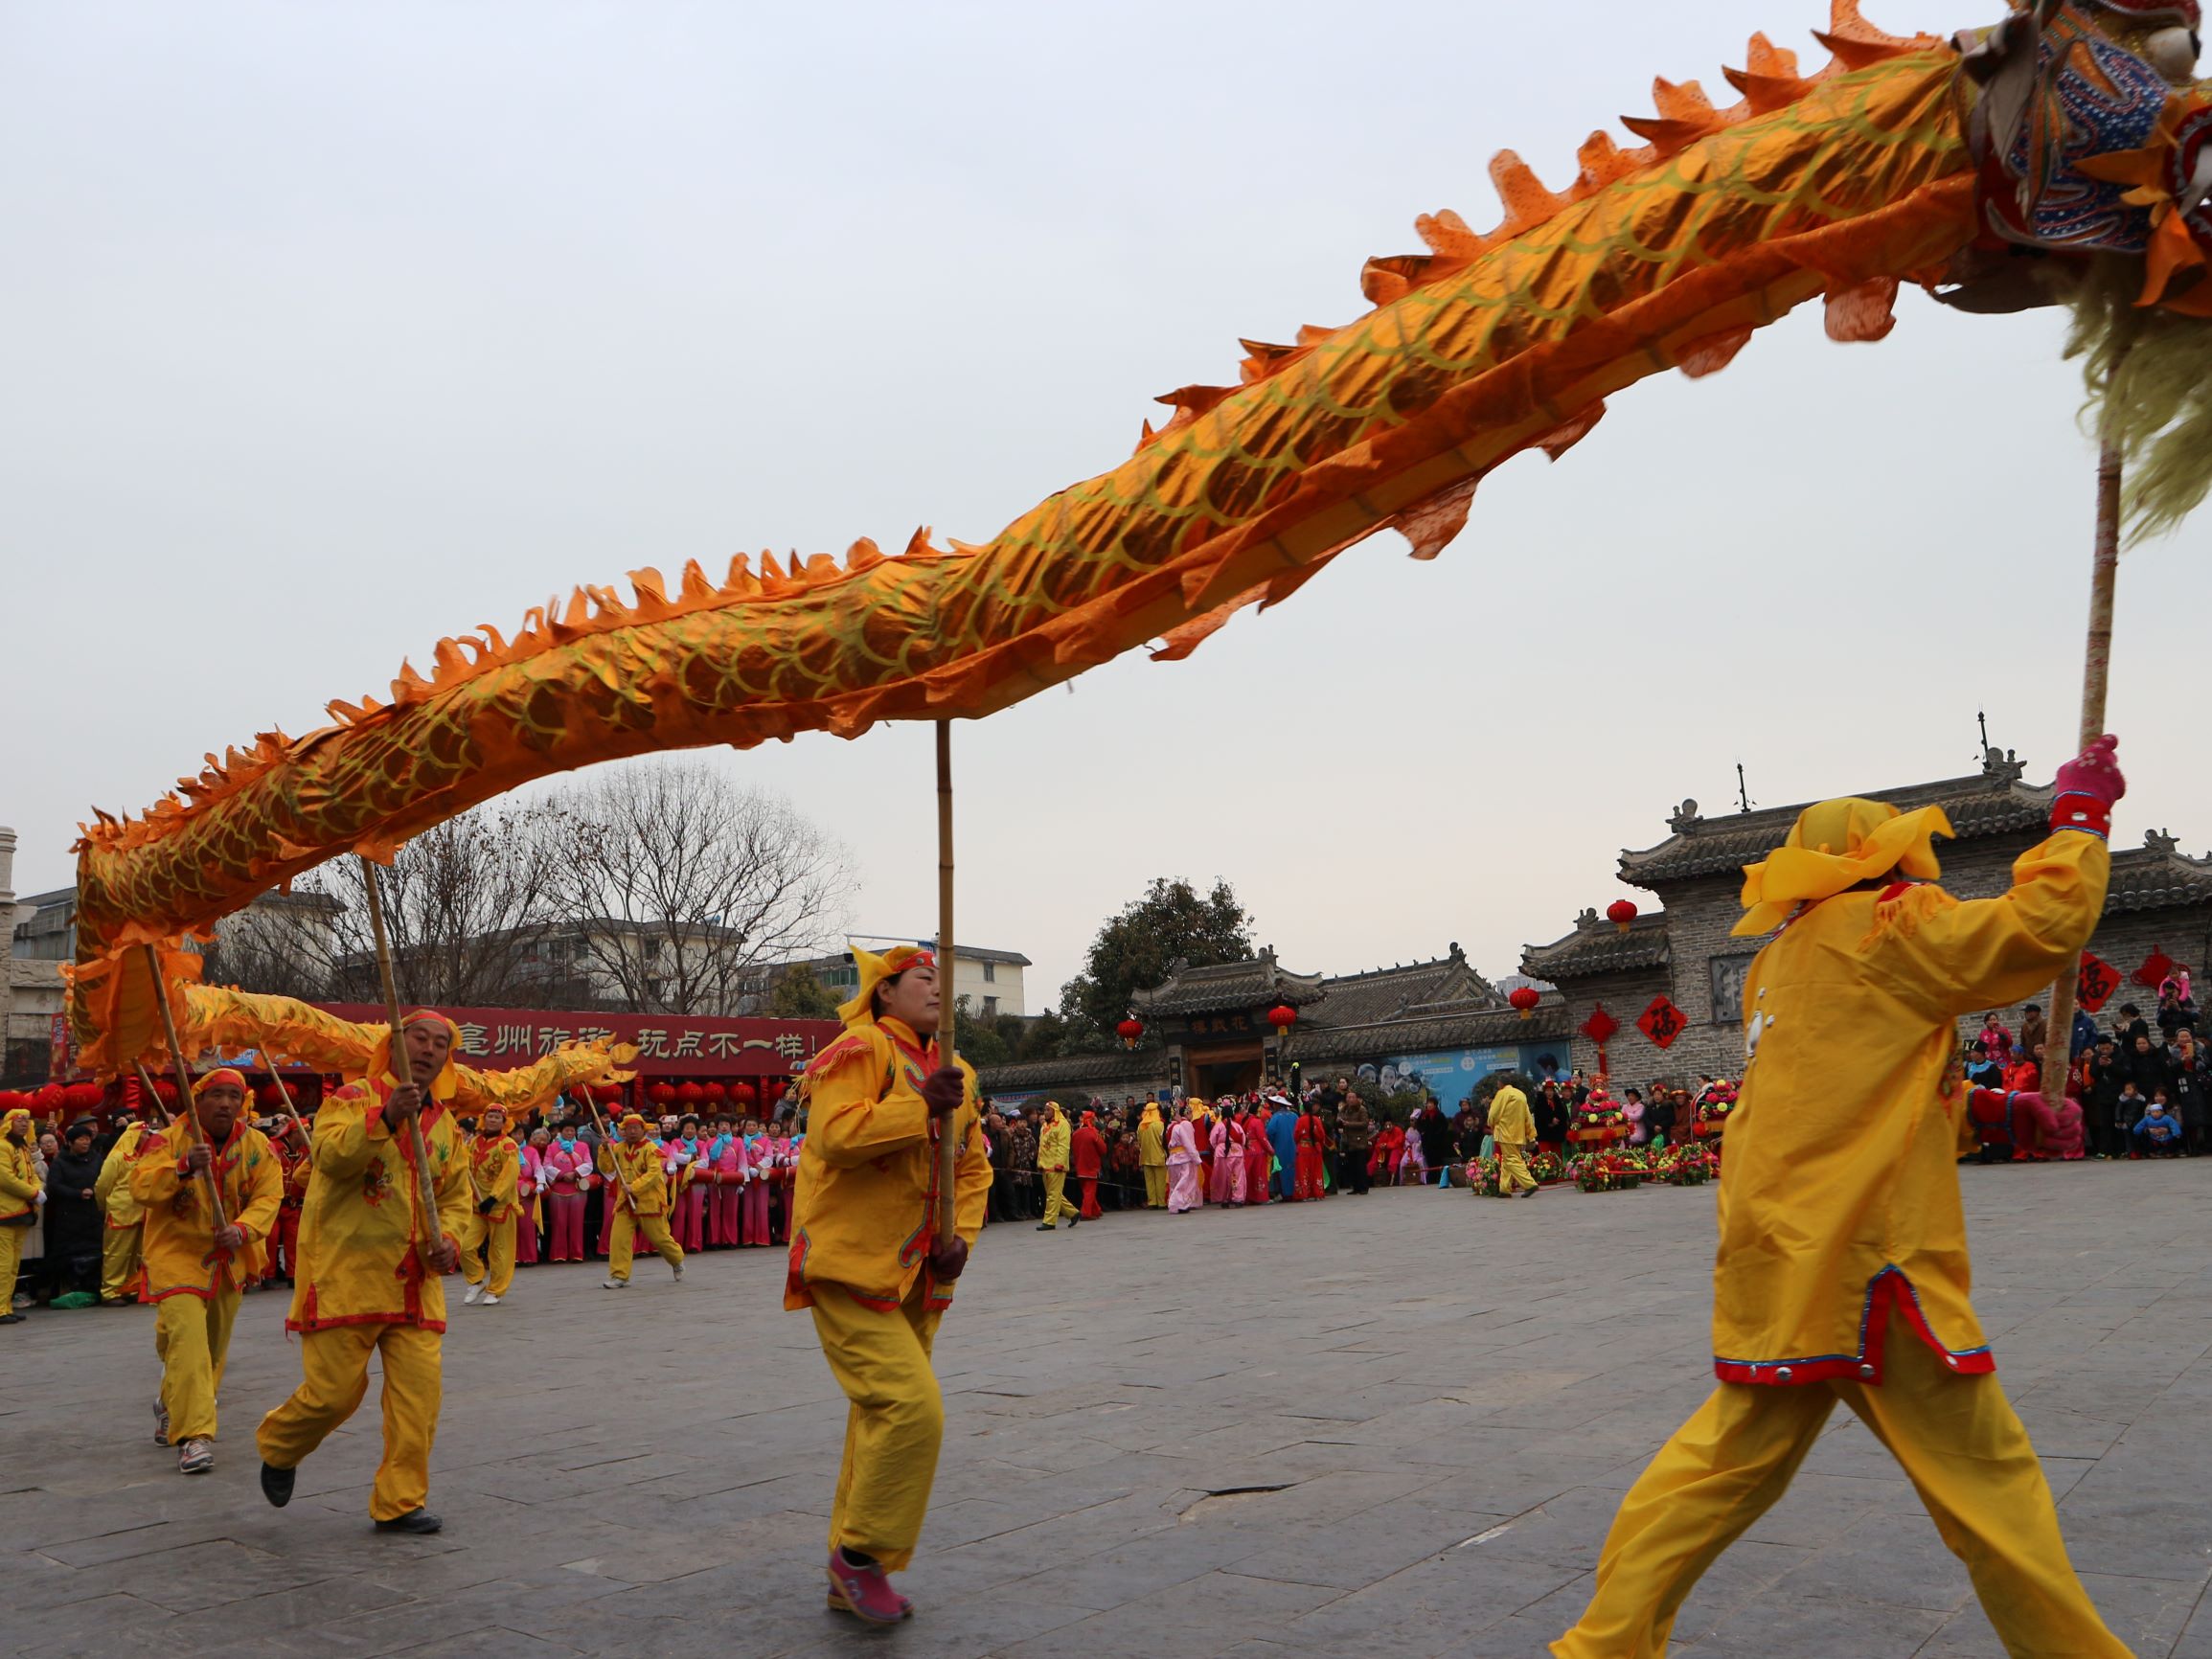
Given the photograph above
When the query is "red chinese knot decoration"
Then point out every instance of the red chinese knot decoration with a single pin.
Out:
(1525, 998)
(1601, 1026)
(1662, 1022)
(1620, 913)
(2154, 970)
(1282, 1016)
(2097, 982)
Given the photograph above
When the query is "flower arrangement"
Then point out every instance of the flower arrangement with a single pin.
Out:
(1547, 1167)
(1606, 1172)
(1687, 1165)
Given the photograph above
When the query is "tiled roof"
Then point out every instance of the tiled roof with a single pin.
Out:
(1465, 1026)
(1404, 992)
(1129, 1066)
(1597, 946)
(2152, 879)
(1991, 802)
(1228, 985)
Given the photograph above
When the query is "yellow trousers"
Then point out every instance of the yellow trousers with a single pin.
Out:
(893, 1426)
(627, 1227)
(485, 1239)
(10, 1261)
(1155, 1186)
(1956, 1436)
(192, 1338)
(1056, 1202)
(1512, 1170)
(118, 1256)
(335, 1363)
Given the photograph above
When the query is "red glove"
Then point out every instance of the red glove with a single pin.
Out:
(947, 1261)
(945, 1090)
(2088, 787)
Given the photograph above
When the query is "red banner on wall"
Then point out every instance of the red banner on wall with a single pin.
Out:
(668, 1045)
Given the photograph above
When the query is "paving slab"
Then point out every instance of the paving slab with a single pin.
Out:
(1395, 1426)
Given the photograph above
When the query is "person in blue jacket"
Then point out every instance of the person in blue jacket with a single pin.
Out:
(2158, 1131)
(1283, 1137)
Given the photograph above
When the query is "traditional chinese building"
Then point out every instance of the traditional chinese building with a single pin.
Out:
(1681, 971)
(1437, 1024)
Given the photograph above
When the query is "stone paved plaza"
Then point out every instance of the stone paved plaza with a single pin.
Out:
(1392, 1426)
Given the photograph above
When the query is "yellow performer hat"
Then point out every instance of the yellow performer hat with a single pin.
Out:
(629, 1117)
(1833, 848)
(446, 1082)
(875, 969)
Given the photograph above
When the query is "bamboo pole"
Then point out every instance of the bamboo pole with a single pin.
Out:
(152, 1095)
(947, 1129)
(184, 1104)
(2096, 682)
(269, 1062)
(614, 1159)
(425, 1190)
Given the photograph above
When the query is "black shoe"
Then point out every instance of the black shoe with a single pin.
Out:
(277, 1483)
(11, 1317)
(419, 1521)
(1074, 1222)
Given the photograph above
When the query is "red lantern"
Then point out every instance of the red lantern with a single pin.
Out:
(776, 1088)
(1525, 998)
(1621, 913)
(744, 1094)
(1282, 1016)
(716, 1094)
(662, 1094)
(689, 1093)
(1130, 1030)
(82, 1097)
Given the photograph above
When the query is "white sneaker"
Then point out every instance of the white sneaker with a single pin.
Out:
(490, 1299)
(678, 1268)
(616, 1284)
(195, 1458)
(475, 1294)
(160, 1423)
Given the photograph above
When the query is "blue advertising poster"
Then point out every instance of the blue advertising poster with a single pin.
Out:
(1450, 1076)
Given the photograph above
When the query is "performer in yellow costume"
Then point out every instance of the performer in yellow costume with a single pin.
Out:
(121, 1246)
(20, 1200)
(1842, 1271)
(637, 1186)
(196, 1269)
(487, 1246)
(370, 1266)
(1152, 1156)
(865, 1260)
(1513, 1126)
(1051, 1149)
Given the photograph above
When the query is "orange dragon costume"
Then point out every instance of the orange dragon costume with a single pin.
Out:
(194, 1286)
(1842, 1269)
(367, 1284)
(864, 1208)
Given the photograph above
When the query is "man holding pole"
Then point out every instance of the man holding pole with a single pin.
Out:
(637, 1189)
(201, 1254)
(866, 1258)
(371, 1261)
(122, 1249)
(1842, 1271)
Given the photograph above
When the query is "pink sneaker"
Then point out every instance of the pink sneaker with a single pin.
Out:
(865, 1592)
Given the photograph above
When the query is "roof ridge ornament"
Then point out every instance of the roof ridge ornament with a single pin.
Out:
(1686, 818)
(2001, 765)
(2162, 841)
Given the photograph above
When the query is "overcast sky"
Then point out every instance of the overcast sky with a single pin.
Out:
(329, 329)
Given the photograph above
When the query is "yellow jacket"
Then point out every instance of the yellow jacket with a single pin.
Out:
(18, 1177)
(112, 1190)
(866, 1194)
(1511, 1124)
(361, 1225)
(1152, 1141)
(180, 1242)
(640, 1170)
(495, 1173)
(1052, 1145)
(1839, 1192)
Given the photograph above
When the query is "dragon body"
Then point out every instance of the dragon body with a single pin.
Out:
(1842, 183)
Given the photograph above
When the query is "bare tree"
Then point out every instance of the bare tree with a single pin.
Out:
(679, 885)
(469, 907)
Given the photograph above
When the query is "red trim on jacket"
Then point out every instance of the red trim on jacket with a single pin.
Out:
(1887, 1291)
